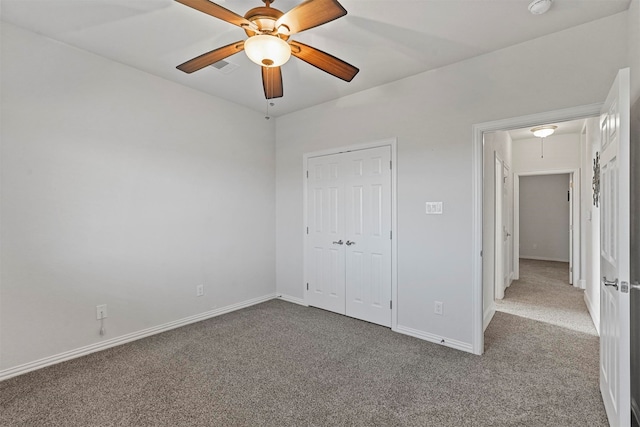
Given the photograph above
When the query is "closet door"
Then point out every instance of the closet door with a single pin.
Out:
(325, 253)
(368, 234)
(348, 242)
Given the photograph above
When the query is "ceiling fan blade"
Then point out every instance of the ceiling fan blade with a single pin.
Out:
(272, 82)
(212, 57)
(310, 14)
(217, 11)
(324, 61)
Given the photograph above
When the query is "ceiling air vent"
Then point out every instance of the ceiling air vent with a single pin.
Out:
(224, 67)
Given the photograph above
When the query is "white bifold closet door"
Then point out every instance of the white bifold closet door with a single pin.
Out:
(348, 258)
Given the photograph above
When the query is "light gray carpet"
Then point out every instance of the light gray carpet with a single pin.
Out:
(279, 364)
(543, 293)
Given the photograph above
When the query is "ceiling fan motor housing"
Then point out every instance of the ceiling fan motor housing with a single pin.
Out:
(265, 19)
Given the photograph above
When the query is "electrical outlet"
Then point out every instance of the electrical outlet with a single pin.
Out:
(101, 311)
(438, 308)
(199, 290)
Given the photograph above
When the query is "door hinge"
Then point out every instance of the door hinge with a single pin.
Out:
(307, 286)
(480, 254)
(390, 304)
(307, 230)
(391, 234)
(390, 164)
(307, 174)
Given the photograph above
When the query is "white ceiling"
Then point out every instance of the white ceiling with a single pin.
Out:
(388, 40)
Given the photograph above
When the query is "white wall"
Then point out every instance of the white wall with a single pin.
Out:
(124, 189)
(561, 152)
(432, 115)
(494, 143)
(633, 50)
(544, 217)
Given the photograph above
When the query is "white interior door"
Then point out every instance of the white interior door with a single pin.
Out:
(499, 234)
(348, 249)
(368, 235)
(614, 253)
(506, 235)
(325, 233)
(570, 197)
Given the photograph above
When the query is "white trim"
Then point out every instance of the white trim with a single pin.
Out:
(594, 314)
(444, 341)
(635, 409)
(123, 339)
(294, 300)
(488, 316)
(582, 283)
(516, 227)
(393, 144)
(542, 258)
(573, 113)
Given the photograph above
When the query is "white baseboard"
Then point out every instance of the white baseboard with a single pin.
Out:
(488, 316)
(595, 314)
(582, 284)
(542, 258)
(294, 300)
(458, 345)
(123, 339)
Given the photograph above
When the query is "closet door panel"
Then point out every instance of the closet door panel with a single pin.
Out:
(368, 234)
(325, 240)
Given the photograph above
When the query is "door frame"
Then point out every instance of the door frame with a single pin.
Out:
(477, 181)
(392, 143)
(574, 218)
(498, 219)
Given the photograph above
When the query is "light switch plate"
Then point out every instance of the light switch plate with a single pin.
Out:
(434, 208)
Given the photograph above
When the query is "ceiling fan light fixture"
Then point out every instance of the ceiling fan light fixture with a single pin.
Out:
(544, 131)
(267, 51)
(538, 7)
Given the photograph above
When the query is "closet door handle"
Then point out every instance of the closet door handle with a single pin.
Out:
(349, 243)
(610, 283)
(339, 242)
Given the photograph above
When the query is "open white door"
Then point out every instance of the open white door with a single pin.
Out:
(614, 253)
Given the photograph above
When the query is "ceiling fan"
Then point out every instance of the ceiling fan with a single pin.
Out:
(269, 45)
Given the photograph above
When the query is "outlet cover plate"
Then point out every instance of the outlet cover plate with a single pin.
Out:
(438, 308)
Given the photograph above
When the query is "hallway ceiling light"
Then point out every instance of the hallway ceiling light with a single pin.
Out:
(543, 131)
(538, 7)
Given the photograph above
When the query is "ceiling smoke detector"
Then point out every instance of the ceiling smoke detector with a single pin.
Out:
(538, 7)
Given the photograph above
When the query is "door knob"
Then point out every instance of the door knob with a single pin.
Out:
(339, 242)
(349, 243)
(610, 283)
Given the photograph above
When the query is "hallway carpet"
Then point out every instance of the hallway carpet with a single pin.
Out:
(543, 293)
(280, 364)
